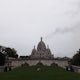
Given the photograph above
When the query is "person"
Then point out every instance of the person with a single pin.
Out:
(10, 68)
(5, 69)
(66, 68)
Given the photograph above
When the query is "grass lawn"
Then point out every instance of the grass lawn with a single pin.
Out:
(46, 73)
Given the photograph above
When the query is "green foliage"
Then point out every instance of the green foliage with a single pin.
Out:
(7, 51)
(45, 73)
(11, 52)
(76, 59)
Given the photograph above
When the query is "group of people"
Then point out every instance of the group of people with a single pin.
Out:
(7, 67)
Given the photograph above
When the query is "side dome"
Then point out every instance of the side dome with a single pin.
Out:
(41, 46)
(33, 51)
(48, 50)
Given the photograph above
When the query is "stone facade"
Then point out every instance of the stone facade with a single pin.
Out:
(41, 52)
(17, 63)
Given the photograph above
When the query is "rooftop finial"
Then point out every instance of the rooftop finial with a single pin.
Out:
(41, 38)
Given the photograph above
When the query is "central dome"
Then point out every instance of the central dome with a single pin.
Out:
(41, 46)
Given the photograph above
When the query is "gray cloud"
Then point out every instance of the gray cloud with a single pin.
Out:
(64, 30)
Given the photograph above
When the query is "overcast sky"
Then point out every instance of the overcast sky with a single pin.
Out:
(23, 22)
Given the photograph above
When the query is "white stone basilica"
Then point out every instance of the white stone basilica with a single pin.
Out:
(41, 52)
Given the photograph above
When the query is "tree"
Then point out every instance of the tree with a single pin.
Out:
(76, 59)
(11, 52)
(2, 59)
